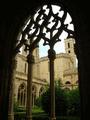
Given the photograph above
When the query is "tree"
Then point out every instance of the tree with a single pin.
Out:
(66, 102)
(60, 100)
(73, 102)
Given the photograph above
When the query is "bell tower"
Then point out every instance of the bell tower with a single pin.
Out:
(69, 48)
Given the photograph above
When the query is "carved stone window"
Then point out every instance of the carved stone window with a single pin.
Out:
(33, 94)
(68, 45)
(22, 95)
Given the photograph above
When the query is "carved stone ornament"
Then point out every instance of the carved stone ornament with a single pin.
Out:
(48, 23)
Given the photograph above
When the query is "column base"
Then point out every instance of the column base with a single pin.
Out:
(10, 116)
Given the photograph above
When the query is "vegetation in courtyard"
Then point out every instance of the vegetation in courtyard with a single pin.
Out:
(67, 105)
(60, 98)
(67, 102)
(73, 102)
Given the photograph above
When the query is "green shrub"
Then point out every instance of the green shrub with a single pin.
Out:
(73, 102)
(22, 116)
(37, 110)
(38, 102)
(66, 102)
(17, 108)
(60, 100)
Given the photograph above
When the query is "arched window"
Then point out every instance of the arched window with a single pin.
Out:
(67, 85)
(67, 82)
(22, 95)
(69, 51)
(33, 94)
(41, 91)
(68, 45)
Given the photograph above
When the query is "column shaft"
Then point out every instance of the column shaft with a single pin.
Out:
(11, 90)
(30, 60)
(51, 55)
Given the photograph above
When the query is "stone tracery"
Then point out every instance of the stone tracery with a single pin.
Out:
(47, 25)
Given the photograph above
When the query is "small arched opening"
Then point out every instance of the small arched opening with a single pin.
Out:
(33, 95)
(21, 99)
(41, 91)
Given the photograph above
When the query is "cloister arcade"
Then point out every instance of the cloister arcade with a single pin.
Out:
(22, 93)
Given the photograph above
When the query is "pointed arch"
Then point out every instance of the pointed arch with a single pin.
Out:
(34, 89)
(22, 94)
(41, 91)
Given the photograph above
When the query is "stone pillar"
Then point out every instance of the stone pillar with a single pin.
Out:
(51, 56)
(11, 89)
(30, 60)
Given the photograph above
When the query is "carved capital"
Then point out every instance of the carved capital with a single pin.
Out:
(51, 54)
(30, 58)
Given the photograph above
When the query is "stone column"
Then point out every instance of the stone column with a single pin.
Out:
(51, 56)
(11, 89)
(30, 60)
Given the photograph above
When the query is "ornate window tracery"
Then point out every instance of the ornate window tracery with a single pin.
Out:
(22, 95)
(48, 23)
(33, 94)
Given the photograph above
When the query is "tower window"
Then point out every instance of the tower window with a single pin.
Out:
(69, 51)
(68, 45)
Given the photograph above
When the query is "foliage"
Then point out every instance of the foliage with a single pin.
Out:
(17, 108)
(38, 102)
(60, 100)
(22, 116)
(73, 102)
(66, 102)
(37, 109)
